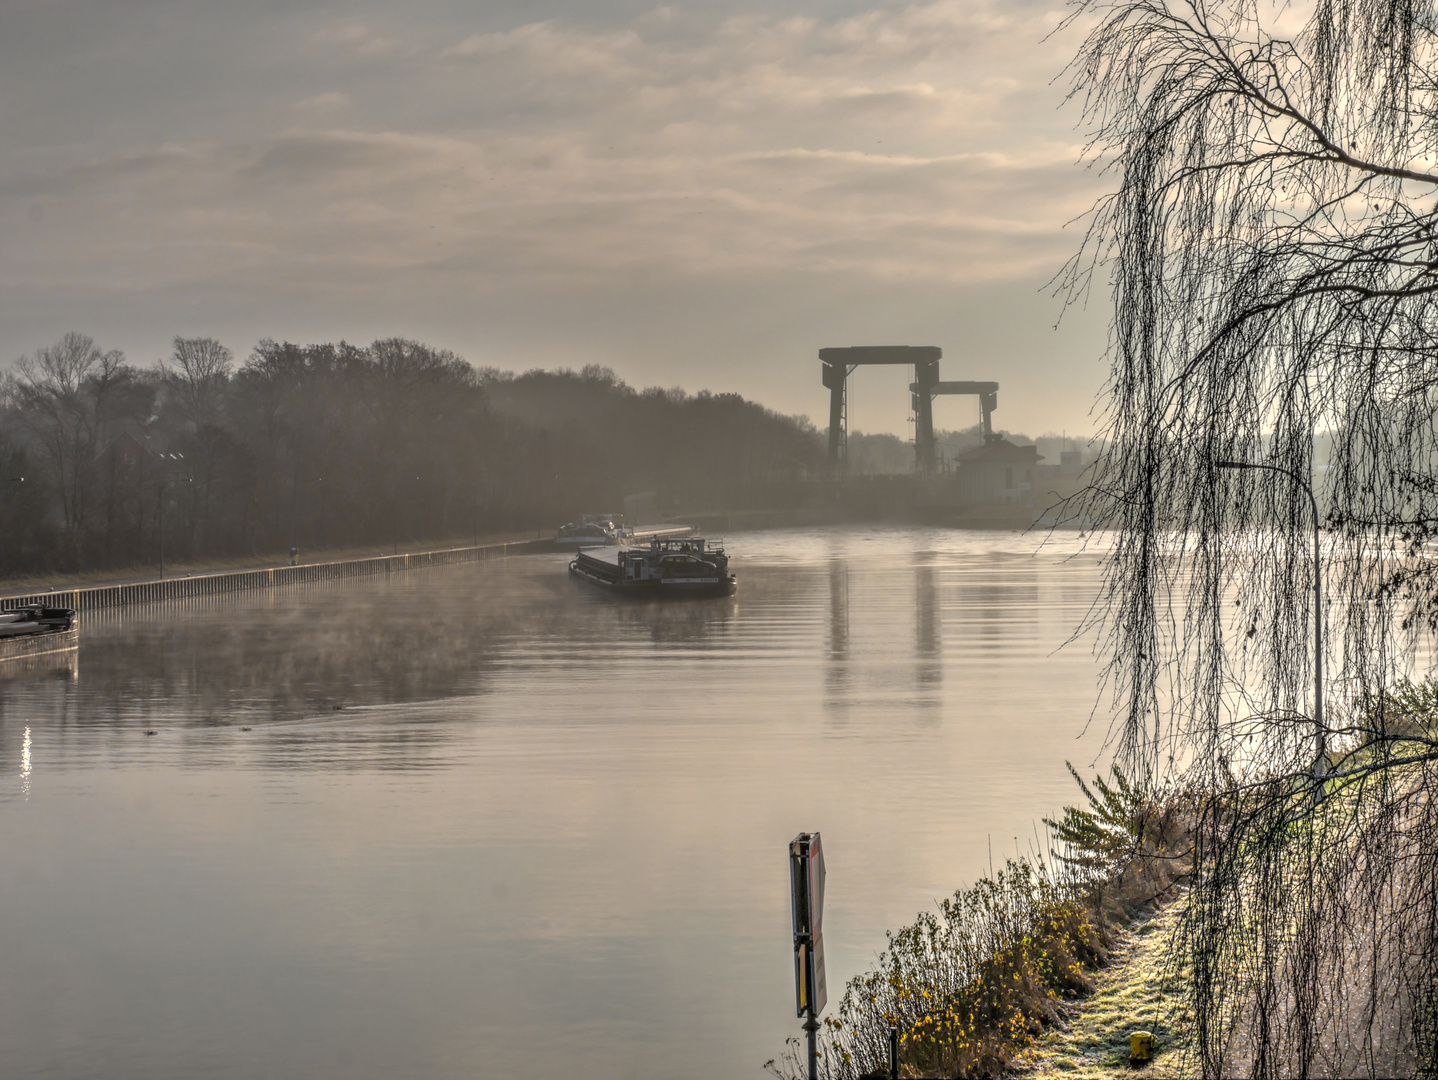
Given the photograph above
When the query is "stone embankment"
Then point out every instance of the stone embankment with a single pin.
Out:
(192, 586)
(98, 597)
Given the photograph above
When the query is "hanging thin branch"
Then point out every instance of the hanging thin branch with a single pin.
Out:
(1272, 254)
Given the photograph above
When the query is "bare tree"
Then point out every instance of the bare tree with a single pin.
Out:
(64, 393)
(196, 378)
(197, 375)
(1272, 251)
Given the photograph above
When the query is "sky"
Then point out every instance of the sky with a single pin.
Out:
(699, 195)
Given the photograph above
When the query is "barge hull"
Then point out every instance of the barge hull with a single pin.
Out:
(674, 588)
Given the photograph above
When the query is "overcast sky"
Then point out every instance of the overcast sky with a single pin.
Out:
(696, 194)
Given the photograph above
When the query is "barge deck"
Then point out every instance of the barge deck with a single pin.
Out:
(666, 567)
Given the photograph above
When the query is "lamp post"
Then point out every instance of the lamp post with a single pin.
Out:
(394, 515)
(12, 480)
(1319, 768)
(476, 512)
(295, 519)
(164, 480)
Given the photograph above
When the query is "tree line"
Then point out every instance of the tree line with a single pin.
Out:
(883, 454)
(338, 445)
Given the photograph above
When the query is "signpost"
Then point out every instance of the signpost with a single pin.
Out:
(806, 891)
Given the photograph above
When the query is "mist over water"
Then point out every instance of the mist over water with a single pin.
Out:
(488, 820)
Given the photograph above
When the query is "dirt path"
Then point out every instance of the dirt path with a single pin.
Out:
(1137, 992)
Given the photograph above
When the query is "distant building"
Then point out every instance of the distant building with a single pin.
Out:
(132, 446)
(997, 473)
(128, 447)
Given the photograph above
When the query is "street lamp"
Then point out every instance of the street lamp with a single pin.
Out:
(394, 515)
(1319, 768)
(167, 479)
(295, 519)
(477, 498)
(12, 479)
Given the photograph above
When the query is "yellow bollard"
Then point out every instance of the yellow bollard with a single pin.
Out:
(1140, 1046)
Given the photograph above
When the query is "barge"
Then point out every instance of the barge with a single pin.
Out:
(593, 529)
(37, 630)
(672, 567)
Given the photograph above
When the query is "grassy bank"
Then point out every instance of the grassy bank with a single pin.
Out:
(1311, 929)
(1047, 965)
(1139, 990)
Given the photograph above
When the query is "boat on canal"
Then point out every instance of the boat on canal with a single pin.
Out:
(36, 630)
(665, 567)
(593, 529)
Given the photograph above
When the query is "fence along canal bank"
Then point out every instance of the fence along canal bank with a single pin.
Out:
(99, 597)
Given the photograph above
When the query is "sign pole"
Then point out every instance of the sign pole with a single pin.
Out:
(806, 890)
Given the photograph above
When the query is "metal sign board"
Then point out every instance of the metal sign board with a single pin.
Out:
(816, 975)
(806, 891)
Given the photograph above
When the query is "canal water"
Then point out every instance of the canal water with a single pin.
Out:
(485, 821)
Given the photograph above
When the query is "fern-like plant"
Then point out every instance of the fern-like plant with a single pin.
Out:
(1097, 840)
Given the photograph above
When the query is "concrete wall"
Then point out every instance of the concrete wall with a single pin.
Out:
(181, 588)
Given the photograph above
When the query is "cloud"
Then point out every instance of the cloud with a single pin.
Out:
(552, 210)
(353, 38)
(914, 146)
(546, 48)
(759, 142)
(931, 65)
(331, 101)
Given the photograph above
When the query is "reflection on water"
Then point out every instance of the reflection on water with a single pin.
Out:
(929, 668)
(836, 671)
(485, 820)
(25, 766)
(54, 665)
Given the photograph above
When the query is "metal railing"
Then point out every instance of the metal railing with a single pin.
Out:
(98, 597)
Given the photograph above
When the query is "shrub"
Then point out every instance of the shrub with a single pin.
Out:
(967, 986)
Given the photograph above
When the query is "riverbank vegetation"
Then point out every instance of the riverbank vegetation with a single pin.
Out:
(1289, 905)
(970, 986)
(1311, 926)
(337, 445)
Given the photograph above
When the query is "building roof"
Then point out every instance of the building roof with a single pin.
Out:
(132, 439)
(1000, 452)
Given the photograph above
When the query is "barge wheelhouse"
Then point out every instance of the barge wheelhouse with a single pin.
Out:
(681, 566)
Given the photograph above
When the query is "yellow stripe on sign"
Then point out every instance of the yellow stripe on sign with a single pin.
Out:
(803, 976)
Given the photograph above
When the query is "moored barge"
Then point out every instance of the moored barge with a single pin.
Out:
(593, 529)
(681, 566)
(36, 630)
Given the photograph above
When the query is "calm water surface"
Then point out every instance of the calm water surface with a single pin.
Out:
(486, 821)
